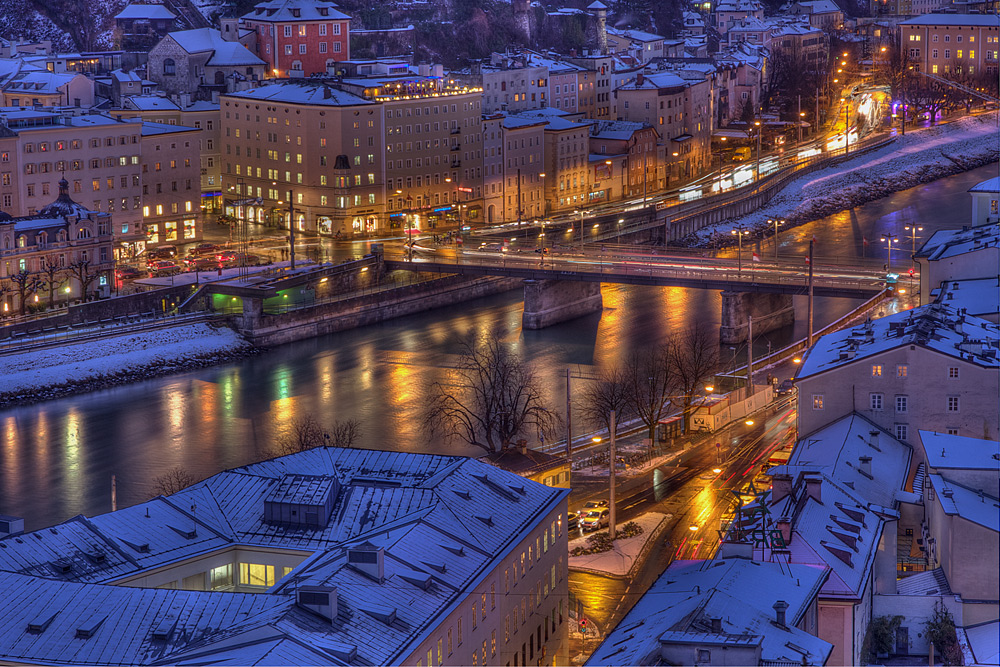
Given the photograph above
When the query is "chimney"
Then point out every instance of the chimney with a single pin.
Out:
(865, 465)
(639, 80)
(785, 526)
(781, 486)
(873, 439)
(368, 559)
(522, 446)
(779, 612)
(814, 488)
(716, 626)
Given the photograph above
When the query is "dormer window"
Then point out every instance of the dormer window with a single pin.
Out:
(22, 241)
(296, 13)
(42, 239)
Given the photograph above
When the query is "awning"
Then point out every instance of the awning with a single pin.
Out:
(730, 134)
(249, 201)
(682, 138)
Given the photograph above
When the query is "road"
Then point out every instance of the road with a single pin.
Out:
(695, 498)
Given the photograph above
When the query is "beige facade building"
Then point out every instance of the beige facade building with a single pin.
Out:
(523, 168)
(171, 184)
(930, 368)
(951, 43)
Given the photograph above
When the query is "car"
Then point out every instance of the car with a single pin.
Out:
(204, 249)
(596, 519)
(785, 388)
(572, 521)
(128, 272)
(201, 263)
(162, 252)
(163, 268)
(594, 505)
(248, 259)
(491, 247)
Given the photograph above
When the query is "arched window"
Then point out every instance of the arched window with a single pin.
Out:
(297, 65)
(61, 236)
(169, 67)
(83, 233)
(22, 241)
(42, 239)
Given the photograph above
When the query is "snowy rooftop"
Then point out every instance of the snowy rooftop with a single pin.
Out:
(149, 103)
(951, 242)
(635, 35)
(984, 640)
(680, 606)
(151, 12)
(295, 10)
(991, 185)
(42, 82)
(977, 296)
(974, 506)
(934, 327)
(945, 451)
(443, 522)
(615, 130)
(151, 128)
(837, 451)
(818, 6)
(307, 93)
(224, 53)
(984, 20)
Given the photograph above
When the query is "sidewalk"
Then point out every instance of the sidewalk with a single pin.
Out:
(626, 554)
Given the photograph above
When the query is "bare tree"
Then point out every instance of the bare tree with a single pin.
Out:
(345, 433)
(492, 400)
(24, 285)
(85, 274)
(54, 277)
(171, 482)
(650, 383)
(694, 356)
(305, 433)
(607, 393)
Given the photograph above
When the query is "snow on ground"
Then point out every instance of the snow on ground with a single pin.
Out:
(919, 157)
(622, 557)
(89, 365)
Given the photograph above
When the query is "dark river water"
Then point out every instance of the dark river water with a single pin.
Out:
(57, 458)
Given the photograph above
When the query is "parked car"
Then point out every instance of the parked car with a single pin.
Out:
(572, 521)
(785, 388)
(163, 268)
(201, 263)
(596, 519)
(128, 273)
(250, 259)
(594, 505)
(204, 249)
(162, 252)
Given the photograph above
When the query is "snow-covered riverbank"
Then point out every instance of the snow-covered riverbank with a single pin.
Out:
(29, 377)
(919, 157)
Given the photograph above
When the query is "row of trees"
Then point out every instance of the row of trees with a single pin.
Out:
(48, 279)
(494, 398)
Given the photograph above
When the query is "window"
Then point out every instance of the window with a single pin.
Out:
(252, 574)
(951, 431)
(817, 401)
(302, 49)
(336, 31)
(475, 616)
(322, 29)
(901, 403)
(221, 577)
(876, 401)
(953, 404)
(704, 655)
(902, 370)
(953, 372)
(877, 370)
(901, 431)
(288, 31)
(169, 67)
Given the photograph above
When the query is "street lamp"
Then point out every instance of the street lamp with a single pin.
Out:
(913, 229)
(776, 222)
(889, 238)
(759, 132)
(739, 232)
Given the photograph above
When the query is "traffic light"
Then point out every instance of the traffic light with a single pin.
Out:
(583, 626)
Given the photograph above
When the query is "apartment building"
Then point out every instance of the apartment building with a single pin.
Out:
(295, 543)
(99, 156)
(951, 43)
(640, 45)
(363, 156)
(567, 150)
(171, 184)
(493, 183)
(299, 37)
(515, 83)
(931, 368)
(523, 144)
(30, 88)
(729, 13)
(595, 85)
(61, 235)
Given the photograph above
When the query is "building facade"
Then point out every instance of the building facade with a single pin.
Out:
(951, 43)
(299, 37)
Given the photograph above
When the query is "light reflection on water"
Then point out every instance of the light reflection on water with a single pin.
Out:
(57, 458)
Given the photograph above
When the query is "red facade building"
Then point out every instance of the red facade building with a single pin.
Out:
(295, 36)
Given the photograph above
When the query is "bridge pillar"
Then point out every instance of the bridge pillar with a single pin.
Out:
(548, 302)
(253, 308)
(769, 312)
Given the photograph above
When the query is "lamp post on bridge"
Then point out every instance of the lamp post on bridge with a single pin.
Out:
(739, 231)
(776, 222)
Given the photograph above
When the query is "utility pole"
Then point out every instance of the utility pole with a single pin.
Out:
(809, 337)
(114, 494)
(816, 119)
(518, 198)
(291, 229)
(903, 86)
(847, 128)
(614, 464)
(569, 421)
(799, 119)
(749, 355)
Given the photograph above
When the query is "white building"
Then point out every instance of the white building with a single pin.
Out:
(329, 556)
(958, 254)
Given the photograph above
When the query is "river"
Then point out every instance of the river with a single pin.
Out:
(57, 458)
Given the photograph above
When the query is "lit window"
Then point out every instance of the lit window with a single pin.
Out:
(817, 401)
(901, 371)
(877, 370)
(253, 574)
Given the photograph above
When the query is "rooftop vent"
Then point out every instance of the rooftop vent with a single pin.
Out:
(142, 548)
(187, 534)
(465, 495)
(62, 566)
(96, 556)
(165, 628)
(301, 500)
(419, 579)
(38, 624)
(381, 612)
(369, 560)
(10, 526)
(320, 600)
(780, 607)
(488, 520)
(89, 627)
(458, 551)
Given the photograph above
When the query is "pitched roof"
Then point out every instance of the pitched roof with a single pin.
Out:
(444, 524)
(934, 327)
(295, 10)
(302, 93)
(680, 606)
(141, 11)
(984, 20)
(974, 506)
(952, 242)
(990, 185)
(944, 452)
(224, 53)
